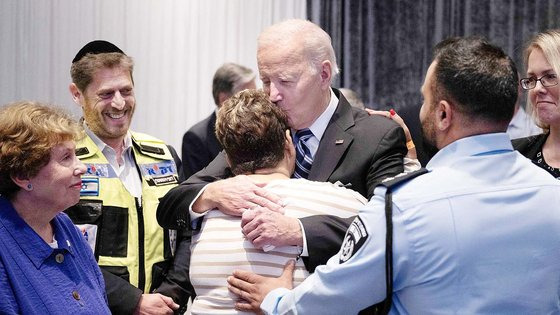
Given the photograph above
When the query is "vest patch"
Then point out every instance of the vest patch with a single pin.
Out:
(90, 186)
(162, 173)
(354, 239)
(82, 151)
(162, 180)
(89, 231)
(99, 170)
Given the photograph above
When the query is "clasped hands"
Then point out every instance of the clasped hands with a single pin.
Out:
(263, 223)
(262, 212)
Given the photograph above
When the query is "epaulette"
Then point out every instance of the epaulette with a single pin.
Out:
(140, 140)
(150, 149)
(391, 183)
(81, 151)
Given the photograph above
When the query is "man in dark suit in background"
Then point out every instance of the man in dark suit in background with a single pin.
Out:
(334, 142)
(200, 145)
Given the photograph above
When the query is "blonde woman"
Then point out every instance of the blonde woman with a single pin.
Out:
(542, 59)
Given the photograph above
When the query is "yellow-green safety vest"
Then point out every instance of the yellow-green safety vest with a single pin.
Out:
(123, 230)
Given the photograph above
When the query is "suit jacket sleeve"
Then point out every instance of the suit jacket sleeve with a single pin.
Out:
(388, 158)
(324, 235)
(173, 208)
(176, 284)
(375, 154)
(178, 163)
(121, 295)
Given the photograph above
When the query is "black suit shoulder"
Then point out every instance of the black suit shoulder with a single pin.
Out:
(359, 149)
(173, 208)
(373, 149)
(200, 146)
(201, 129)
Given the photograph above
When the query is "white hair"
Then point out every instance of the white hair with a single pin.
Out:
(316, 43)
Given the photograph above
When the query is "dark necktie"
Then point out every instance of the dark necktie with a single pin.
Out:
(303, 155)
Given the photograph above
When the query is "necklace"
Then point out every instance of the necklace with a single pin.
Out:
(542, 163)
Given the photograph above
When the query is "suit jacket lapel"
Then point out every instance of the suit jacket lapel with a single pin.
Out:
(334, 143)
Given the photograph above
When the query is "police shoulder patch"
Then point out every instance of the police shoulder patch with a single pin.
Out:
(354, 239)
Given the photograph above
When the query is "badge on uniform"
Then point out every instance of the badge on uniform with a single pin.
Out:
(353, 240)
(99, 170)
(90, 186)
(162, 173)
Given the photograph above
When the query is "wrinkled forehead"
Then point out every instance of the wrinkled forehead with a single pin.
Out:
(110, 78)
(278, 59)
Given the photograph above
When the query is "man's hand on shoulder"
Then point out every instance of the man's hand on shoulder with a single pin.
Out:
(155, 303)
(266, 227)
(235, 195)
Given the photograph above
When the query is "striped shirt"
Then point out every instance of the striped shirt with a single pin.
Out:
(220, 246)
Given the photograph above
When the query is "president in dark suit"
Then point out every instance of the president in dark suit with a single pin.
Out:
(334, 142)
(200, 145)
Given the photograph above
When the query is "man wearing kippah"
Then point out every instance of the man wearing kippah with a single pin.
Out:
(127, 173)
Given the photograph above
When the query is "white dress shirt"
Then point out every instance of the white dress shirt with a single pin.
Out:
(127, 172)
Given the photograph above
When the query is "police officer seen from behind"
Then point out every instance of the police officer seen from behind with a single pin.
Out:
(476, 234)
(127, 172)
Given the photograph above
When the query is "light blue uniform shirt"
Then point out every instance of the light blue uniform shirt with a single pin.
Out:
(478, 234)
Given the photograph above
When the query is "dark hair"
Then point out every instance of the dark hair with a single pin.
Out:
(229, 78)
(83, 70)
(478, 77)
(252, 131)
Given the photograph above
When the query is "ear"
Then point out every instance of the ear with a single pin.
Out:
(21, 182)
(289, 136)
(444, 115)
(289, 153)
(222, 97)
(227, 159)
(76, 94)
(326, 74)
(289, 144)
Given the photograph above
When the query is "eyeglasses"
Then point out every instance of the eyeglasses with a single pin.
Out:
(546, 80)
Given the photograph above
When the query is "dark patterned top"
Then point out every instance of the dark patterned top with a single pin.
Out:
(542, 163)
(531, 147)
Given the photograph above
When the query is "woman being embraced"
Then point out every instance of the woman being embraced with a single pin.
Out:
(542, 59)
(46, 265)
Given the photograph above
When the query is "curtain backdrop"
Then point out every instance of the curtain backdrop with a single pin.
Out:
(385, 47)
(177, 46)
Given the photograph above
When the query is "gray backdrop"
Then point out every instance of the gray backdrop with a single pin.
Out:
(384, 47)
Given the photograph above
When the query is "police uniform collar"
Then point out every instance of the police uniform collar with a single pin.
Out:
(471, 146)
